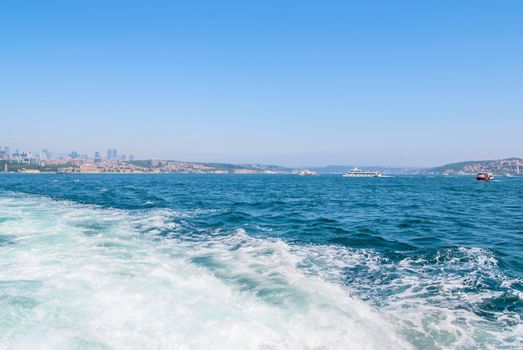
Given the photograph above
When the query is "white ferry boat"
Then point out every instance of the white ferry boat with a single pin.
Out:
(360, 173)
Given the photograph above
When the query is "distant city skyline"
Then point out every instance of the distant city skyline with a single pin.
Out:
(402, 83)
(7, 152)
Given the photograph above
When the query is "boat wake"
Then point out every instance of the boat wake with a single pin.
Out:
(79, 276)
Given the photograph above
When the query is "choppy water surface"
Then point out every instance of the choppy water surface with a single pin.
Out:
(260, 262)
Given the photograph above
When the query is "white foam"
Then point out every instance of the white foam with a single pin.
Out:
(433, 300)
(84, 277)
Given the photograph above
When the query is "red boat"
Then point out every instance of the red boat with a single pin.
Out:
(484, 177)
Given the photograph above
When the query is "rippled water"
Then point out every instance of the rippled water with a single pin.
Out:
(260, 262)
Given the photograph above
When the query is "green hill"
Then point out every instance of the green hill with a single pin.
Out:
(500, 166)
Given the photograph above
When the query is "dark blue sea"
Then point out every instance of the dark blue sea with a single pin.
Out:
(260, 262)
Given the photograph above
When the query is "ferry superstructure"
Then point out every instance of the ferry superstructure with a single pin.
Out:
(360, 173)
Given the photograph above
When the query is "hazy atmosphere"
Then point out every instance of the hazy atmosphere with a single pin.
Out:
(404, 83)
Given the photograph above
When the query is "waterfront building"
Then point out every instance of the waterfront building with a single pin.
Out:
(89, 168)
(24, 158)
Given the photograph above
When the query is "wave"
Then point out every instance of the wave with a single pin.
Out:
(452, 299)
(68, 284)
(79, 276)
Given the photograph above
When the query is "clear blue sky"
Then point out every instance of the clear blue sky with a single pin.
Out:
(325, 82)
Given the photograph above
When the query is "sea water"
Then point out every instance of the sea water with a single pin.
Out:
(260, 262)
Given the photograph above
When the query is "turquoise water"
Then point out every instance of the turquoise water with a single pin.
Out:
(260, 262)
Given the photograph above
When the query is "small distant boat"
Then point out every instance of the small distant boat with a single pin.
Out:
(360, 173)
(484, 176)
(307, 172)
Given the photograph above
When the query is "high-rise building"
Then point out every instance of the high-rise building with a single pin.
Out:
(131, 157)
(74, 155)
(45, 154)
(97, 157)
(3, 154)
(16, 156)
(112, 154)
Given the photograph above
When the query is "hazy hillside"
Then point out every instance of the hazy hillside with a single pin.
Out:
(500, 166)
